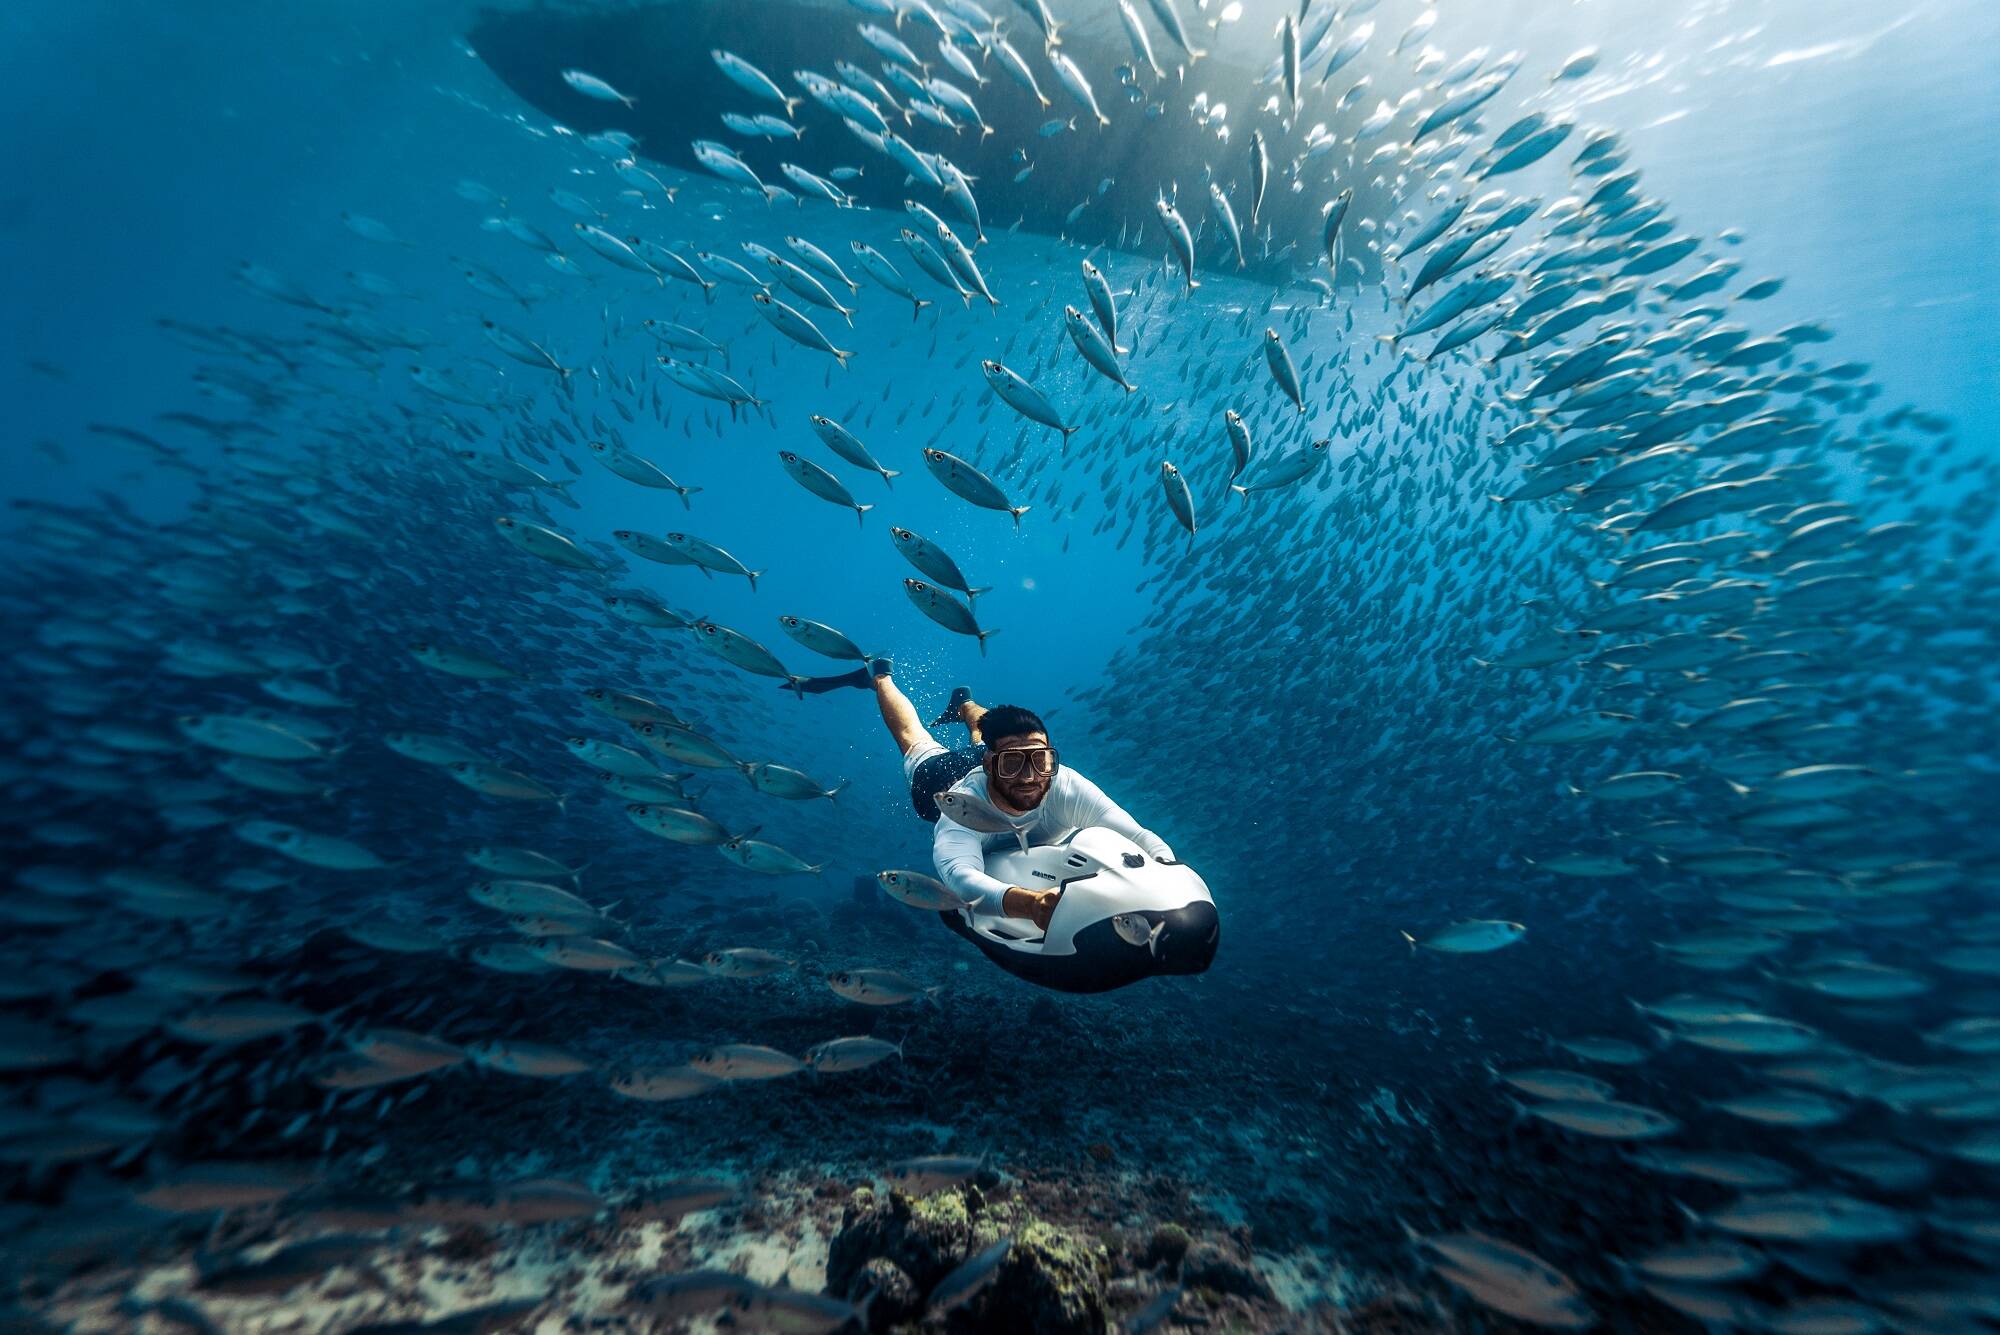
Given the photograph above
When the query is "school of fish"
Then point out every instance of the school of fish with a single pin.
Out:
(1510, 501)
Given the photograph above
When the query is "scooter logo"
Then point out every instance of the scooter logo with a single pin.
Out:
(1044, 875)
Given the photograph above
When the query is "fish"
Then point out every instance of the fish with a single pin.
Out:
(701, 552)
(821, 483)
(1102, 304)
(1287, 471)
(1074, 83)
(797, 327)
(783, 781)
(644, 472)
(1283, 372)
(822, 639)
(751, 79)
(946, 611)
(766, 858)
(1136, 929)
(1179, 499)
(919, 891)
(969, 1277)
(595, 88)
(841, 1055)
(1179, 240)
(877, 987)
(1260, 177)
(1168, 13)
(745, 962)
(735, 647)
(975, 813)
(1472, 936)
(877, 266)
(849, 447)
(967, 482)
(1017, 393)
(1508, 1278)
(746, 1061)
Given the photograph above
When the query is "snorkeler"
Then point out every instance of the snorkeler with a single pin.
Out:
(1011, 770)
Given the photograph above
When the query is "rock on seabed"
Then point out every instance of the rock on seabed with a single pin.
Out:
(1052, 1281)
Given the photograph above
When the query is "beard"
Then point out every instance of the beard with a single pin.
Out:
(1023, 796)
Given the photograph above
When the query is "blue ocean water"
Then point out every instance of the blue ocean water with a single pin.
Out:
(1333, 699)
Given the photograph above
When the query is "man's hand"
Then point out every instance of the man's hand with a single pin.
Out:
(1037, 906)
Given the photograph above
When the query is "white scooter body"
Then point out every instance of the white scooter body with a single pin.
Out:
(1101, 874)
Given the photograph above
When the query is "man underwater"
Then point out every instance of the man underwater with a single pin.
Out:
(1010, 767)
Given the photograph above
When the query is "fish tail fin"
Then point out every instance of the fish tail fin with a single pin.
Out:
(842, 357)
(1017, 511)
(791, 105)
(983, 636)
(753, 579)
(798, 685)
(917, 305)
(970, 594)
(860, 511)
(888, 473)
(685, 493)
(837, 789)
(1244, 492)
(1411, 939)
(1046, 104)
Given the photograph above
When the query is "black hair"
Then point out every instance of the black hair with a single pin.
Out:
(1009, 721)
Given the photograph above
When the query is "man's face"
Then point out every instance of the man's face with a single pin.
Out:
(1027, 785)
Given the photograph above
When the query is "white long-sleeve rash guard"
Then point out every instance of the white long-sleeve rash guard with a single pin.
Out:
(1073, 803)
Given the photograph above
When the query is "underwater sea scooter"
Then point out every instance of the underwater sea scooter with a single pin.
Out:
(1123, 916)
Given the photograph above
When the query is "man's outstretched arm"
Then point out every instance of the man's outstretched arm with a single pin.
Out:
(961, 864)
(1085, 805)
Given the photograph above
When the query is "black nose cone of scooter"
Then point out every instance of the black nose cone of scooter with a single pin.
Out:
(1188, 939)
